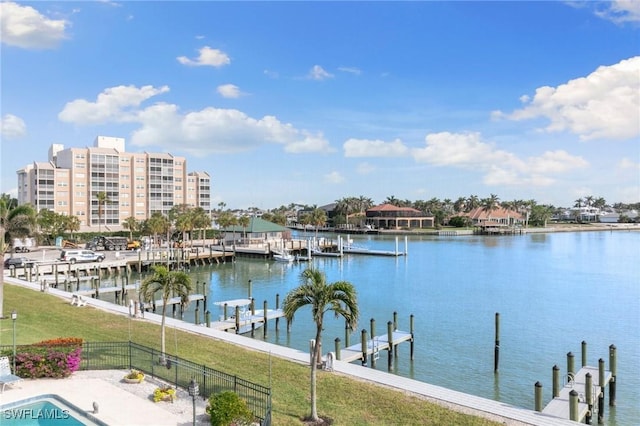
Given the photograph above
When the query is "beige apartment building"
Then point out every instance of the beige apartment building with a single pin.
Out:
(137, 184)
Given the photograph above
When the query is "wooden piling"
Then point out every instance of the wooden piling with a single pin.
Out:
(571, 369)
(373, 343)
(337, 347)
(584, 353)
(601, 381)
(277, 307)
(573, 405)
(538, 396)
(588, 390)
(613, 367)
(556, 381)
(395, 327)
(363, 341)
(496, 350)
(264, 314)
(391, 346)
(411, 331)
(207, 318)
(347, 331)
(197, 315)
(249, 290)
(237, 318)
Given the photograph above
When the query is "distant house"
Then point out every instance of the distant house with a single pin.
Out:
(388, 216)
(258, 230)
(495, 218)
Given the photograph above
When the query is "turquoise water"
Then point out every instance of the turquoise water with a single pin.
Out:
(552, 291)
(44, 411)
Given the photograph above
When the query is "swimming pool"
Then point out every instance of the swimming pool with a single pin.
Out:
(45, 410)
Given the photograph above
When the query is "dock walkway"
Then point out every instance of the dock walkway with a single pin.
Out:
(373, 347)
(559, 406)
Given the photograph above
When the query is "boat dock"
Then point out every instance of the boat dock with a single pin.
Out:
(244, 317)
(368, 350)
(581, 398)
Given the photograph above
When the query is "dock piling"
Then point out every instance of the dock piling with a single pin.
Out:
(573, 405)
(556, 381)
(588, 390)
(601, 382)
(391, 346)
(538, 396)
(571, 370)
(264, 313)
(363, 340)
(496, 350)
(613, 367)
(207, 318)
(584, 353)
(337, 347)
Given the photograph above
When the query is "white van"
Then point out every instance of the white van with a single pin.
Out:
(78, 256)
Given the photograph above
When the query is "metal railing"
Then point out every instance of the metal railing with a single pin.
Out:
(174, 370)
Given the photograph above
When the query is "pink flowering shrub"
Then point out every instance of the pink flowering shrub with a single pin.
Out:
(53, 358)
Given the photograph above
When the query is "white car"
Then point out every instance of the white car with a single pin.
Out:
(78, 256)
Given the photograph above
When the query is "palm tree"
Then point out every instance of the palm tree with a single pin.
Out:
(103, 199)
(201, 220)
(73, 224)
(170, 284)
(158, 224)
(339, 297)
(15, 222)
(318, 218)
(244, 221)
(132, 224)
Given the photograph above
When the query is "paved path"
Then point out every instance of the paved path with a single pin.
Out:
(488, 408)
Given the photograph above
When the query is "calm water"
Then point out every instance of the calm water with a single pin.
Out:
(552, 292)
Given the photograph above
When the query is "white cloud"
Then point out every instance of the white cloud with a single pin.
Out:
(216, 130)
(12, 127)
(310, 143)
(229, 91)
(627, 163)
(374, 148)
(113, 104)
(603, 105)
(208, 57)
(351, 70)
(620, 11)
(271, 74)
(25, 27)
(318, 73)
(468, 151)
(365, 168)
(334, 177)
(460, 149)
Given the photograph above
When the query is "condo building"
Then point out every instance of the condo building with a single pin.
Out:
(136, 184)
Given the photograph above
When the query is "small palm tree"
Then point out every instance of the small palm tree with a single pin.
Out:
(169, 283)
(339, 297)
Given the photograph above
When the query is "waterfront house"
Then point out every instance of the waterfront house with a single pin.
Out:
(259, 231)
(388, 216)
(498, 219)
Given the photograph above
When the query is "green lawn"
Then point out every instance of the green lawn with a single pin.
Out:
(345, 400)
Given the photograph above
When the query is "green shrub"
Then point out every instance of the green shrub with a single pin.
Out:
(226, 408)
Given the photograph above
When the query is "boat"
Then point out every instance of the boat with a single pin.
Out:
(283, 256)
(246, 317)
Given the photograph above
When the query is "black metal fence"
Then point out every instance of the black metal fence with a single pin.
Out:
(174, 370)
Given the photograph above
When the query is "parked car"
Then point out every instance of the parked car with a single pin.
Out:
(78, 256)
(18, 262)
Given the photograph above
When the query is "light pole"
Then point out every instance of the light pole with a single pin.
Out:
(14, 317)
(194, 390)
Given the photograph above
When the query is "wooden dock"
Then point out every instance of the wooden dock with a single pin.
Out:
(560, 405)
(373, 347)
(249, 322)
(581, 396)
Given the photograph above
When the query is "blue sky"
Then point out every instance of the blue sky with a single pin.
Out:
(309, 102)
